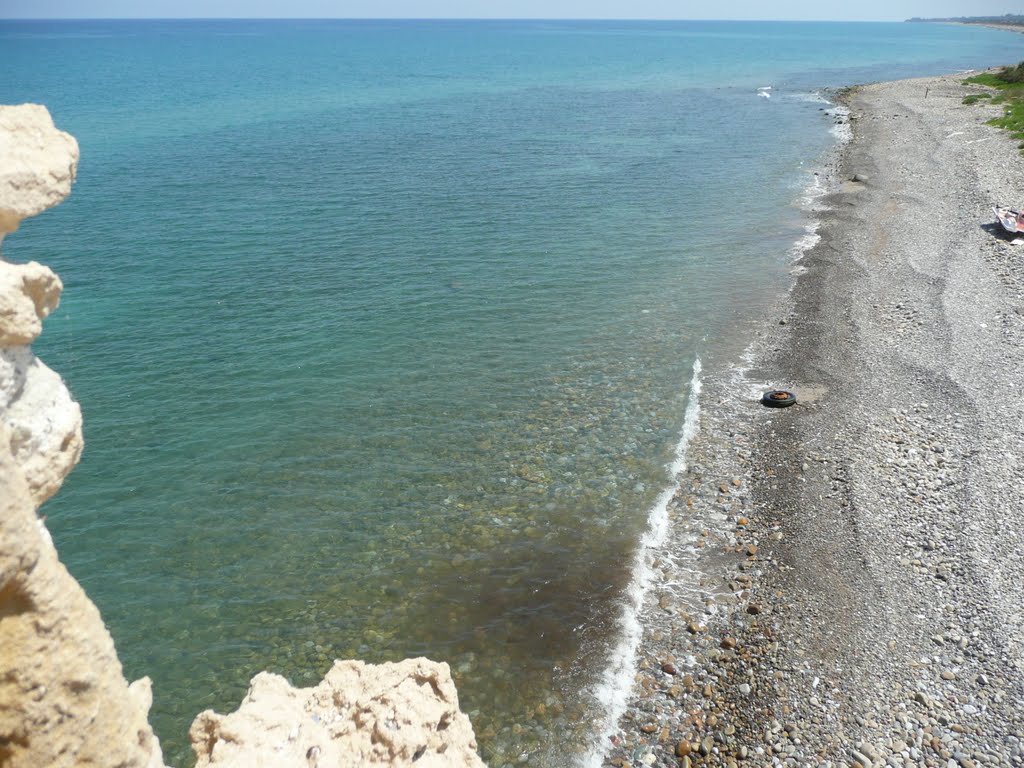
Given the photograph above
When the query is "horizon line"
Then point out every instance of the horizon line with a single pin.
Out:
(442, 18)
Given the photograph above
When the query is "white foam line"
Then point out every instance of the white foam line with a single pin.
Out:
(615, 687)
(842, 131)
(803, 244)
(814, 97)
(820, 185)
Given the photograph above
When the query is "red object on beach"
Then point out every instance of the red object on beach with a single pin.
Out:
(1010, 219)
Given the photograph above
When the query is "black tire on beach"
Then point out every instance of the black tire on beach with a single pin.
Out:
(778, 399)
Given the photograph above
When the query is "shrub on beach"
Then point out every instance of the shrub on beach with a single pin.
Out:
(991, 80)
(1006, 77)
(1012, 74)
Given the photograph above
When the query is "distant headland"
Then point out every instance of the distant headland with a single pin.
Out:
(1009, 19)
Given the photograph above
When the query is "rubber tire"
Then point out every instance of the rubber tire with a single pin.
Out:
(773, 400)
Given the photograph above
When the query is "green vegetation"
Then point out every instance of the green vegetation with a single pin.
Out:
(1011, 75)
(1013, 19)
(992, 81)
(1009, 82)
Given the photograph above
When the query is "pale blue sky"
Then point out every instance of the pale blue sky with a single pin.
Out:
(868, 10)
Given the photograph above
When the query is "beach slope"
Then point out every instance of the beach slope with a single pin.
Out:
(877, 617)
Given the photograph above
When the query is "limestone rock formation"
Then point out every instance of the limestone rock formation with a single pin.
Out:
(28, 293)
(64, 701)
(63, 697)
(38, 165)
(400, 714)
(44, 425)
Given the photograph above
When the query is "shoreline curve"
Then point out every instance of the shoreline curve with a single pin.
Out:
(861, 579)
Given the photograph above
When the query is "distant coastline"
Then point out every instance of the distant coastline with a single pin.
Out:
(1019, 28)
(1009, 19)
(1009, 22)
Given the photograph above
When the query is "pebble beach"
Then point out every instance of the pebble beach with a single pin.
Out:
(841, 582)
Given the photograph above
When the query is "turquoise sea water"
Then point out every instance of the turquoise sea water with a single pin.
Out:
(383, 330)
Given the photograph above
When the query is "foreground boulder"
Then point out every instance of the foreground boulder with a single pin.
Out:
(360, 715)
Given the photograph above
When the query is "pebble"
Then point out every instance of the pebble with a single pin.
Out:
(706, 745)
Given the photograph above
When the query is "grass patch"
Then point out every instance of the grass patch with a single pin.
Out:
(987, 78)
(1009, 82)
(1012, 119)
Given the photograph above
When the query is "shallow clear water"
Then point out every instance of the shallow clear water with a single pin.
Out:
(383, 330)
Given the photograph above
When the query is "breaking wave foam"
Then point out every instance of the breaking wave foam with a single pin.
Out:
(616, 682)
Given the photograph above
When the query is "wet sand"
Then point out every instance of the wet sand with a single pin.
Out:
(843, 581)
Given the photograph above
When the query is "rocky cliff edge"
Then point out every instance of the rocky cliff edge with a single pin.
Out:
(63, 697)
(64, 700)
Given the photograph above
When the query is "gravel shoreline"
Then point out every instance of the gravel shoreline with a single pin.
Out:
(842, 583)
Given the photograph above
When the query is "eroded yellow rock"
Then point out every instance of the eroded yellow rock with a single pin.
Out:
(397, 714)
(64, 701)
(37, 163)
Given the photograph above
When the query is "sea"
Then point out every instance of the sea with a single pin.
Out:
(386, 332)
